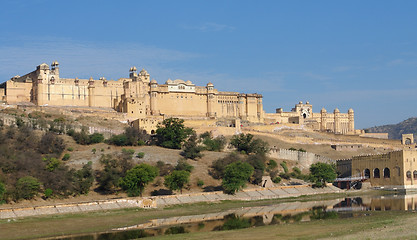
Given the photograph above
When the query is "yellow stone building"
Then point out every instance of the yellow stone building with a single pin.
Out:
(396, 169)
(145, 102)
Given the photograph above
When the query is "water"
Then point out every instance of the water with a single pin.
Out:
(283, 213)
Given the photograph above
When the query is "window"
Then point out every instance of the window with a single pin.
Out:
(367, 173)
(387, 173)
(376, 173)
(408, 175)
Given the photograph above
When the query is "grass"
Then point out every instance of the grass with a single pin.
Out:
(375, 225)
(78, 223)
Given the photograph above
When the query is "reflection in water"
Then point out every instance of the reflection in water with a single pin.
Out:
(258, 216)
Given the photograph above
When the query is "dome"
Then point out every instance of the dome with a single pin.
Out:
(169, 81)
(307, 102)
(188, 82)
(154, 81)
(336, 110)
(143, 72)
(323, 110)
(300, 102)
(210, 84)
(55, 63)
(350, 110)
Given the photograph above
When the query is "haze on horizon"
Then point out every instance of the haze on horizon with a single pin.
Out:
(356, 54)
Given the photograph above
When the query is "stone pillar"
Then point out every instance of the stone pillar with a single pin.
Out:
(39, 91)
(351, 116)
(323, 124)
(336, 121)
(91, 93)
(260, 108)
(154, 95)
(210, 99)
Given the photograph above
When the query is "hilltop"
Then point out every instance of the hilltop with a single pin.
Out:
(395, 130)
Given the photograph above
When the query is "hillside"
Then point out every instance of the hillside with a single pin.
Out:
(395, 130)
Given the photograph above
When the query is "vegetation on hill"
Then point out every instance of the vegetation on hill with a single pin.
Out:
(396, 130)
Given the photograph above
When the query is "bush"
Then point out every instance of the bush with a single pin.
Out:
(27, 188)
(164, 168)
(94, 150)
(217, 144)
(51, 144)
(200, 183)
(112, 170)
(96, 138)
(66, 157)
(70, 149)
(235, 176)
(276, 180)
(140, 155)
(137, 178)
(284, 166)
(320, 173)
(118, 140)
(191, 150)
(172, 133)
(272, 164)
(246, 143)
(48, 193)
(183, 165)
(177, 180)
(83, 179)
(51, 163)
(218, 166)
(2, 191)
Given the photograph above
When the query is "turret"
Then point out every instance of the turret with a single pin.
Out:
(210, 99)
(154, 96)
(144, 76)
(336, 113)
(323, 125)
(351, 117)
(91, 96)
(132, 73)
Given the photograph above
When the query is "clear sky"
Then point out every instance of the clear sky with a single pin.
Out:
(358, 54)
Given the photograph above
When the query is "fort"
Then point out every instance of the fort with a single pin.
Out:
(145, 102)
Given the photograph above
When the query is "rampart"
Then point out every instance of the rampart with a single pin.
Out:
(304, 159)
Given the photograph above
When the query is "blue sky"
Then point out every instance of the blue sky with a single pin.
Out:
(358, 54)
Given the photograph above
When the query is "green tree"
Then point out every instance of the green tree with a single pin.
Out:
(112, 170)
(27, 187)
(235, 176)
(218, 166)
(191, 150)
(172, 133)
(183, 165)
(217, 144)
(177, 180)
(320, 173)
(246, 143)
(83, 179)
(137, 178)
(2, 191)
(96, 138)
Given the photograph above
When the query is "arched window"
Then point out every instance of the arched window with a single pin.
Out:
(408, 175)
(376, 173)
(367, 173)
(415, 174)
(386, 173)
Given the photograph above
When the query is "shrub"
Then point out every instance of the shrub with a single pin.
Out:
(140, 155)
(246, 143)
(66, 157)
(320, 173)
(48, 193)
(70, 149)
(26, 188)
(272, 164)
(51, 163)
(183, 165)
(137, 178)
(218, 166)
(177, 180)
(200, 183)
(276, 180)
(164, 168)
(217, 144)
(292, 149)
(2, 191)
(235, 176)
(83, 179)
(172, 133)
(94, 150)
(96, 138)
(191, 150)
(284, 166)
